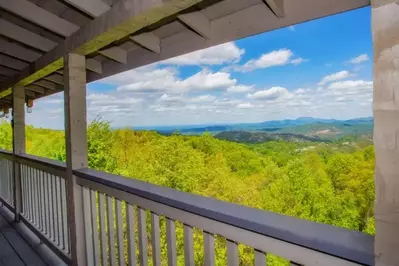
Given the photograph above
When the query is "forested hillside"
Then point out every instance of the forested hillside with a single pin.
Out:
(324, 182)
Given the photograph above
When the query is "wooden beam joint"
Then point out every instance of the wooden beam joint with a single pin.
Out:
(149, 41)
(197, 22)
(276, 6)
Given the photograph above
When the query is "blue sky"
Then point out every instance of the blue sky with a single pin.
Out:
(321, 68)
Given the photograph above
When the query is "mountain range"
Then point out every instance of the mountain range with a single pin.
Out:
(298, 125)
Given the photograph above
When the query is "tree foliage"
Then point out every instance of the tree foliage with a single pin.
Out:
(326, 183)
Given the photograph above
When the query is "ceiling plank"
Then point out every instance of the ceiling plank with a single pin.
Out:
(94, 65)
(120, 21)
(30, 93)
(24, 36)
(35, 88)
(197, 22)
(18, 51)
(47, 84)
(39, 16)
(149, 41)
(56, 78)
(7, 71)
(94, 8)
(11, 62)
(276, 6)
(115, 53)
(2, 77)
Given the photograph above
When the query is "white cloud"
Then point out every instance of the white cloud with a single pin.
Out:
(359, 59)
(298, 61)
(141, 74)
(351, 84)
(333, 77)
(239, 89)
(301, 91)
(291, 28)
(269, 94)
(167, 80)
(206, 80)
(102, 99)
(216, 55)
(165, 98)
(275, 58)
(345, 91)
(158, 94)
(245, 105)
(342, 99)
(203, 99)
(97, 96)
(298, 103)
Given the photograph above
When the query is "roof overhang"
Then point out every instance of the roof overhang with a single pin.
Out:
(119, 35)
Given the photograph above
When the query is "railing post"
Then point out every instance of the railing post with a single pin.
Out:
(76, 149)
(18, 144)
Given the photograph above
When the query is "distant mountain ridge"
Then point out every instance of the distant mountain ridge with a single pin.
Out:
(312, 120)
(306, 129)
(266, 126)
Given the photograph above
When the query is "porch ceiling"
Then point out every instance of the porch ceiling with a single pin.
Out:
(118, 35)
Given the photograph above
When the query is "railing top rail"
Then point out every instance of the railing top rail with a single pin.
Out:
(5, 152)
(45, 164)
(343, 243)
(58, 165)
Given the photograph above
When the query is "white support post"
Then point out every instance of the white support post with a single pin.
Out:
(76, 149)
(385, 28)
(18, 137)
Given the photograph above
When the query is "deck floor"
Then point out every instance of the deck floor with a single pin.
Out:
(14, 251)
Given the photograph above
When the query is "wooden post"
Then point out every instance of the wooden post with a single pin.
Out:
(18, 144)
(76, 149)
(385, 28)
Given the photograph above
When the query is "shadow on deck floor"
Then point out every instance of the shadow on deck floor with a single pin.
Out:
(14, 251)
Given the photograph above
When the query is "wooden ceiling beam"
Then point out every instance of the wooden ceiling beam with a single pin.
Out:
(35, 88)
(124, 19)
(93, 8)
(30, 11)
(56, 78)
(30, 93)
(115, 53)
(197, 22)
(94, 65)
(149, 41)
(11, 62)
(7, 71)
(24, 36)
(47, 84)
(18, 51)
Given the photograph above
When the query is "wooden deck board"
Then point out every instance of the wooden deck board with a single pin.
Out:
(14, 251)
(8, 256)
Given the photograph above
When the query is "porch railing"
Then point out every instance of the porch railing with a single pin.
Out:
(127, 222)
(44, 204)
(6, 179)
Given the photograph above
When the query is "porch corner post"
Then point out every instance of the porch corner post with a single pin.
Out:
(76, 149)
(385, 29)
(18, 144)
